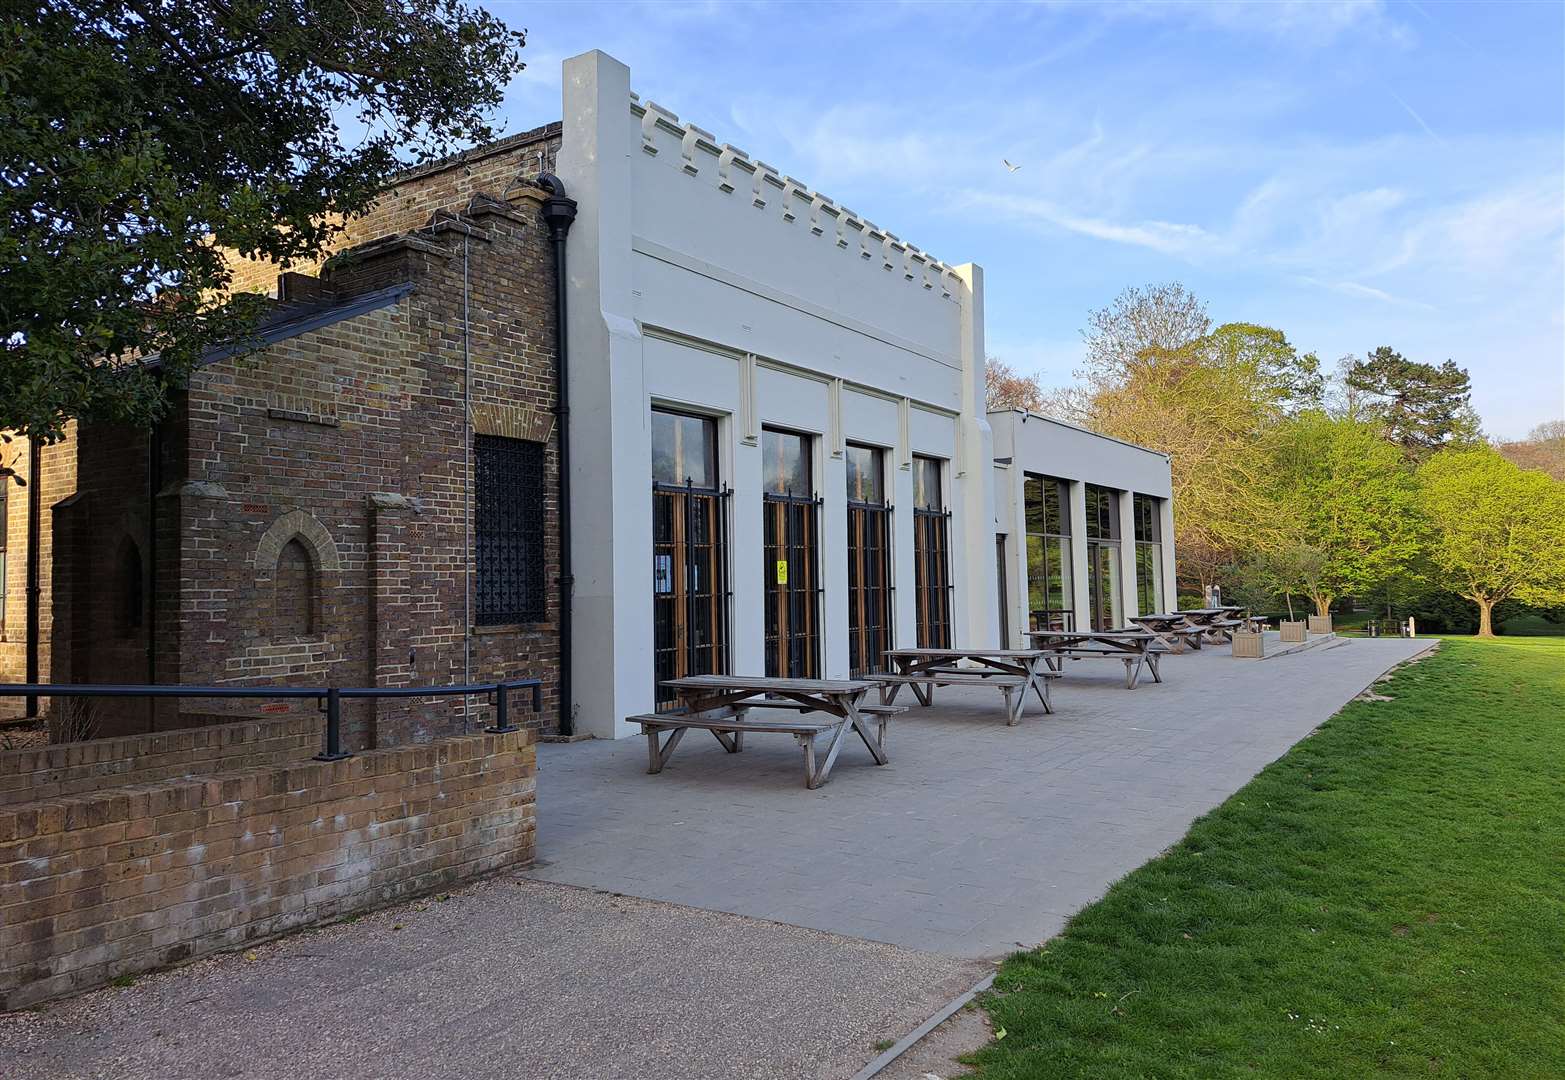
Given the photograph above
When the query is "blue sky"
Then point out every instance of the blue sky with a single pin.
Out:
(1355, 174)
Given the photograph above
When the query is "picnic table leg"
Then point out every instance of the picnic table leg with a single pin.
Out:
(807, 743)
(837, 739)
(1013, 704)
(657, 757)
(1152, 662)
(875, 746)
(1040, 687)
(1132, 672)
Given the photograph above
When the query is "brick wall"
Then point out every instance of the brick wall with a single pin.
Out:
(350, 436)
(130, 879)
(80, 768)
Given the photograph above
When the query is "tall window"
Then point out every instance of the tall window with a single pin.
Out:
(689, 551)
(1149, 554)
(1103, 557)
(790, 565)
(508, 523)
(931, 555)
(1047, 513)
(869, 561)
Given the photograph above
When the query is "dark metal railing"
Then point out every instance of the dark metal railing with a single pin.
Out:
(330, 698)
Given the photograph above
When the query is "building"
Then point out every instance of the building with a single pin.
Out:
(779, 457)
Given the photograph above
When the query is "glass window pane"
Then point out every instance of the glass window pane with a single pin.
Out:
(866, 477)
(1033, 503)
(785, 464)
(1148, 519)
(684, 449)
(926, 484)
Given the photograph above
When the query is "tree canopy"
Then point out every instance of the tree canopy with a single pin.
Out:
(1341, 491)
(1422, 407)
(139, 141)
(1007, 388)
(1498, 530)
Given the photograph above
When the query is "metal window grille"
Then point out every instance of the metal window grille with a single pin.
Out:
(932, 577)
(508, 511)
(869, 587)
(792, 586)
(690, 592)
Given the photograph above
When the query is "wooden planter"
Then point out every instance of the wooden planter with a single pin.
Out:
(1320, 624)
(1249, 646)
(1291, 631)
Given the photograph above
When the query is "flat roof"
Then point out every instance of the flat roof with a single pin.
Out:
(1027, 414)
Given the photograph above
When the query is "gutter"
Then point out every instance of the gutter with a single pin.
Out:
(559, 212)
(34, 590)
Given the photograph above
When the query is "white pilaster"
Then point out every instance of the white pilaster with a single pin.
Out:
(973, 527)
(1127, 556)
(611, 508)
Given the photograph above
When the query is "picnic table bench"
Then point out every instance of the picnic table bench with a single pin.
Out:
(1132, 646)
(721, 704)
(1172, 630)
(1217, 623)
(1012, 671)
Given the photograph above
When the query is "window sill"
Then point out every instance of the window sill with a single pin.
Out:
(542, 626)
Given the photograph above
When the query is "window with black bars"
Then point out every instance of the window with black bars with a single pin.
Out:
(508, 531)
(931, 556)
(689, 584)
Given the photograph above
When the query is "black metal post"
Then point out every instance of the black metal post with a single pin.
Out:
(502, 714)
(334, 751)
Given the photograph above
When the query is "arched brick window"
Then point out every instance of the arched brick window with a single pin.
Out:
(293, 597)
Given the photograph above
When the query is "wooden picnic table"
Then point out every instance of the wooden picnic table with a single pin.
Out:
(1216, 622)
(721, 704)
(1013, 671)
(1173, 631)
(1133, 646)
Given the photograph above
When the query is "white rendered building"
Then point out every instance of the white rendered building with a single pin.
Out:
(780, 456)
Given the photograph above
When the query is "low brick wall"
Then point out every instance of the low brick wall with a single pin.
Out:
(135, 878)
(80, 768)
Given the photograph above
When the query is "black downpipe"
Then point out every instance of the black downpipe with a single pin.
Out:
(149, 604)
(34, 589)
(559, 212)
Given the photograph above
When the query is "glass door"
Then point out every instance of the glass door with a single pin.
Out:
(931, 558)
(689, 551)
(790, 562)
(869, 561)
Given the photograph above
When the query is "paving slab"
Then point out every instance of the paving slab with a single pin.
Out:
(977, 839)
(509, 978)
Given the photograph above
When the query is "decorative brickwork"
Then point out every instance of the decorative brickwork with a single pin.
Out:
(346, 439)
(131, 879)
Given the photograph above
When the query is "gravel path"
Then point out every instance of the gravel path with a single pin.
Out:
(507, 978)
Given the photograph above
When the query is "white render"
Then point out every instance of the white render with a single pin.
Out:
(707, 281)
(1026, 443)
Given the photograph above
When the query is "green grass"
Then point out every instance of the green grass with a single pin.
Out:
(1386, 900)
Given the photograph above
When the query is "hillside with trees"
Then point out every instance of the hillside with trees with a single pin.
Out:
(1370, 484)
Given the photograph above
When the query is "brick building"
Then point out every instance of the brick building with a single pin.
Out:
(781, 459)
(303, 514)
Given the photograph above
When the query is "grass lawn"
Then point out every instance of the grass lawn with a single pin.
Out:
(1386, 900)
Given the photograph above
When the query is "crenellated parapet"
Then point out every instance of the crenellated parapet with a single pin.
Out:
(734, 174)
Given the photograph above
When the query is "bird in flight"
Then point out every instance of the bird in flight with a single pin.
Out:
(1009, 166)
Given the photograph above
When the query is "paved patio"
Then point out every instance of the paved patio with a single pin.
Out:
(977, 839)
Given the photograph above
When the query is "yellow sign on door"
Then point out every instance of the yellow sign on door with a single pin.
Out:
(782, 571)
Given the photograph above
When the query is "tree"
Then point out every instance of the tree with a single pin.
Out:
(1543, 449)
(1141, 323)
(1497, 531)
(142, 143)
(1340, 490)
(1294, 382)
(1422, 408)
(1005, 388)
